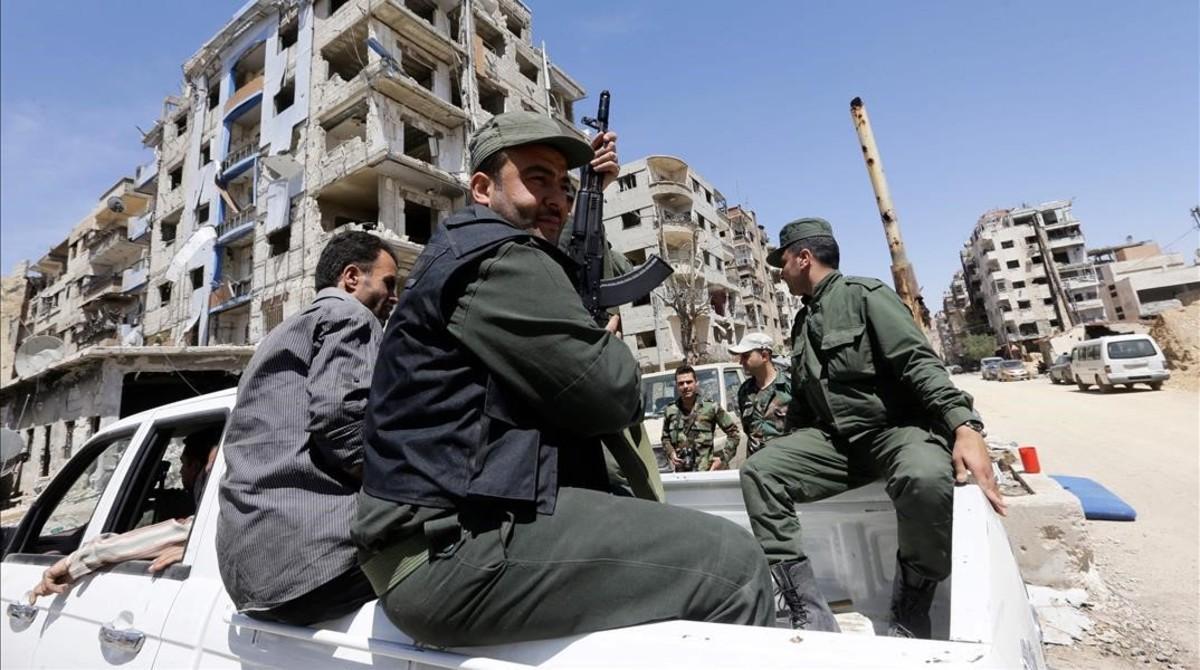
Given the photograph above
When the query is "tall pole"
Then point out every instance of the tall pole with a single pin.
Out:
(903, 276)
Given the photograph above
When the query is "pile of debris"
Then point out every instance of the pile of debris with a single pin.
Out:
(1177, 331)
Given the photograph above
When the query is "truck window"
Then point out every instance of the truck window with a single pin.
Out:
(156, 491)
(710, 385)
(58, 520)
(732, 382)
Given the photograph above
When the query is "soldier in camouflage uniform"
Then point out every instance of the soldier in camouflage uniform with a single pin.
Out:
(763, 398)
(689, 424)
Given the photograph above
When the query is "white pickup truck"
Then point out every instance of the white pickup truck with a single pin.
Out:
(123, 617)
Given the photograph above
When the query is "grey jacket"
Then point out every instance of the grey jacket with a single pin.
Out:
(293, 454)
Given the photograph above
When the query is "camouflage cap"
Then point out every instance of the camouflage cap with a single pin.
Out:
(752, 342)
(809, 226)
(513, 129)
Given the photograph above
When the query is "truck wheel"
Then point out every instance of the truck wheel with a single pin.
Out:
(1103, 386)
(1080, 384)
(1155, 386)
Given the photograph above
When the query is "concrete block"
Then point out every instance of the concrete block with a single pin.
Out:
(1049, 536)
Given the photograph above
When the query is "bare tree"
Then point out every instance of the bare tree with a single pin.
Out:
(686, 292)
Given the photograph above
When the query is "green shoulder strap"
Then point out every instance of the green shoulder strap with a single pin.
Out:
(632, 451)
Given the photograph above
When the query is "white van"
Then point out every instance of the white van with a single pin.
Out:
(1119, 359)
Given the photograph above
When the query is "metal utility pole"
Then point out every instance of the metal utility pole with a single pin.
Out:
(903, 276)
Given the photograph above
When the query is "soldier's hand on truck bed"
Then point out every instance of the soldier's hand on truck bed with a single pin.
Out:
(971, 455)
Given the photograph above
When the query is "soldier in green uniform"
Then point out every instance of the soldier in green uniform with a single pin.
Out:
(689, 425)
(762, 399)
(871, 400)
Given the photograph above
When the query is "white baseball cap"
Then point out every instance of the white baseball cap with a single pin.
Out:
(751, 342)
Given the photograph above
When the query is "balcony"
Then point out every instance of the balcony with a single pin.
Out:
(1061, 223)
(677, 227)
(230, 293)
(243, 99)
(1069, 241)
(139, 228)
(237, 225)
(1085, 305)
(114, 248)
(417, 29)
(237, 160)
(95, 286)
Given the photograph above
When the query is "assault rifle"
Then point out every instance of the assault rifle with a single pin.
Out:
(588, 246)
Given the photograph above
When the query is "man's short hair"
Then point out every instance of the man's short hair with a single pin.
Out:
(492, 164)
(353, 247)
(684, 370)
(823, 248)
(197, 444)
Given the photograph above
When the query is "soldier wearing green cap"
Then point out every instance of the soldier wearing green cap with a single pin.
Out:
(485, 515)
(870, 399)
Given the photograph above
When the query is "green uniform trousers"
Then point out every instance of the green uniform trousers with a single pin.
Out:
(598, 562)
(811, 464)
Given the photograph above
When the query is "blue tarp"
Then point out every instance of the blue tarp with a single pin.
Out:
(1099, 504)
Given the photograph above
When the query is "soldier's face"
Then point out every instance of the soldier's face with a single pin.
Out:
(532, 190)
(685, 386)
(795, 271)
(753, 361)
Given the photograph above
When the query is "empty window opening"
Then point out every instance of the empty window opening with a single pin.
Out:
(285, 97)
(1023, 304)
(95, 424)
(1012, 265)
(70, 439)
(346, 58)
(490, 38)
(491, 99)
(418, 221)
(1007, 244)
(202, 213)
(528, 70)
(627, 182)
(419, 70)
(418, 144)
(45, 465)
(289, 32)
(423, 8)
(205, 153)
(1047, 301)
(280, 241)
(647, 340)
(181, 125)
(455, 16)
(164, 292)
(175, 177)
(272, 314)
(168, 226)
(1029, 329)
(455, 92)
(636, 257)
(335, 5)
(250, 66)
(214, 94)
(630, 219)
(197, 277)
(1018, 284)
(514, 25)
(1040, 281)
(1049, 217)
(347, 128)
(1062, 258)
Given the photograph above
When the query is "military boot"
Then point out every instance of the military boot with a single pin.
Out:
(798, 586)
(912, 596)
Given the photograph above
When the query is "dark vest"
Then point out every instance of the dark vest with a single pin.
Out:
(440, 430)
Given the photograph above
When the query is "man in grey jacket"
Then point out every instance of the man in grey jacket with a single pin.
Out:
(294, 449)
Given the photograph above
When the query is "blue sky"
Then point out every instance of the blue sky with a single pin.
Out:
(974, 105)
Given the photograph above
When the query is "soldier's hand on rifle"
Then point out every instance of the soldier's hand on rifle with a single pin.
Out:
(614, 325)
(606, 162)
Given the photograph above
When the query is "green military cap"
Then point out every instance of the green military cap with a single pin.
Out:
(809, 226)
(513, 129)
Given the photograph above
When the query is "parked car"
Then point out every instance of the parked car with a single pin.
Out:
(1012, 371)
(988, 366)
(954, 369)
(125, 617)
(1060, 370)
(1119, 359)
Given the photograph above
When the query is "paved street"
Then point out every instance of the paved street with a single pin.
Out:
(1143, 446)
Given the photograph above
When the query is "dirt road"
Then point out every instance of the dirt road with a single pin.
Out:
(1143, 446)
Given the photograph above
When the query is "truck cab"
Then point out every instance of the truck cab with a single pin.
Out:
(122, 616)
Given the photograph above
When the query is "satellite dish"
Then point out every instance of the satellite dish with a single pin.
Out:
(11, 448)
(36, 354)
(115, 204)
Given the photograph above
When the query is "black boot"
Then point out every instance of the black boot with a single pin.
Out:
(912, 596)
(798, 586)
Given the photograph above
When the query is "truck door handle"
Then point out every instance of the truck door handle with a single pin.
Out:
(127, 640)
(21, 613)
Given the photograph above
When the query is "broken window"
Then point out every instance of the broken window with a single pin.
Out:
(418, 221)
(454, 17)
(175, 177)
(422, 8)
(417, 144)
(490, 38)
(1018, 284)
(695, 186)
(164, 292)
(514, 25)
(1047, 301)
(197, 277)
(285, 97)
(214, 94)
(205, 153)
(280, 241)
(250, 66)
(1049, 217)
(528, 69)
(636, 257)
(646, 340)
(289, 32)
(708, 196)
(419, 70)
(630, 219)
(346, 128)
(491, 99)
(1029, 329)
(1040, 281)
(335, 5)
(166, 228)
(1007, 244)
(67, 443)
(1062, 258)
(627, 182)
(346, 58)
(702, 222)
(1012, 265)
(181, 125)
(202, 213)
(1023, 304)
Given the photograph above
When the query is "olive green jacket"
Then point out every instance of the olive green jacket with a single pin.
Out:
(859, 363)
(764, 411)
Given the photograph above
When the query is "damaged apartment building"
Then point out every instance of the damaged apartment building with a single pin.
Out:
(1028, 270)
(660, 205)
(297, 118)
